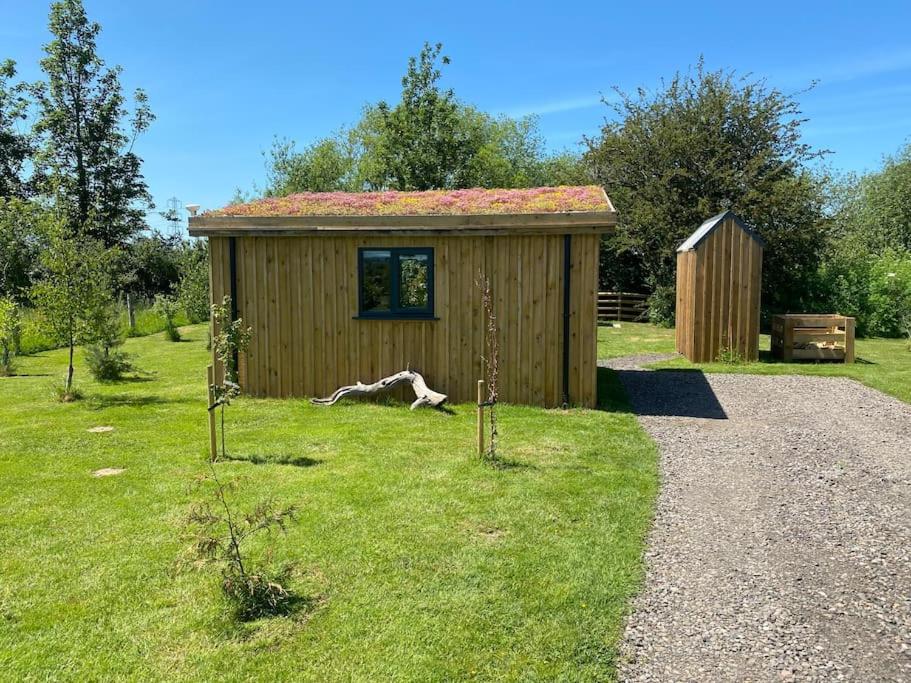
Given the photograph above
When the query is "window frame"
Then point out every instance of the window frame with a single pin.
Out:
(396, 311)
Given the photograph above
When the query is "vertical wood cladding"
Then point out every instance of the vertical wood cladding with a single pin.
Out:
(300, 296)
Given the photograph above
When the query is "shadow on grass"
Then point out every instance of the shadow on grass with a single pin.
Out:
(132, 379)
(298, 611)
(293, 460)
(509, 464)
(768, 358)
(102, 401)
(27, 374)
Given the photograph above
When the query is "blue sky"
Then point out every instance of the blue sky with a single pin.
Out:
(224, 77)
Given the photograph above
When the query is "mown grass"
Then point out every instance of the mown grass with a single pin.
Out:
(883, 364)
(418, 563)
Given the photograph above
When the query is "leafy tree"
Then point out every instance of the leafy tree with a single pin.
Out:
(428, 140)
(15, 146)
(151, 264)
(328, 165)
(233, 338)
(704, 142)
(193, 286)
(86, 161)
(21, 223)
(875, 215)
(166, 307)
(423, 147)
(74, 291)
(9, 328)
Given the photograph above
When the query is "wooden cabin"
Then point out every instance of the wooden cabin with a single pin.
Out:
(341, 287)
(719, 279)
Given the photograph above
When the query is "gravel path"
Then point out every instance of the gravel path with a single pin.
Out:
(781, 549)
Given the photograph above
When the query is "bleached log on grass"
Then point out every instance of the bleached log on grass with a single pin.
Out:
(425, 395)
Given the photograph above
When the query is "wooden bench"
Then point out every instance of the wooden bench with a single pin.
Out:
(813, 337)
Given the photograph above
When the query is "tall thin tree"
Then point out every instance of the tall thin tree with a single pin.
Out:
(86, 159)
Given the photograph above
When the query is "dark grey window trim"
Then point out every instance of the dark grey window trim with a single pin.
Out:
(395, 311)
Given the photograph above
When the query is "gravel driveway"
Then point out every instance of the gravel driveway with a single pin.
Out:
(781, 548)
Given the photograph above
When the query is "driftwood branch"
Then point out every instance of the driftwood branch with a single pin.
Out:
(425, 395)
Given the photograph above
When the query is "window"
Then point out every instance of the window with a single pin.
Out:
(395, 283)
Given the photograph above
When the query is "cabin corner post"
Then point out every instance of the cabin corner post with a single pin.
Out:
(567, 268)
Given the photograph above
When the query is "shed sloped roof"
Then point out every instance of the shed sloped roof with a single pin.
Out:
(539, 200)
(709, 226)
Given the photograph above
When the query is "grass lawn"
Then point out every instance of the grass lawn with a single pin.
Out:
(422, 563)
(883, 364)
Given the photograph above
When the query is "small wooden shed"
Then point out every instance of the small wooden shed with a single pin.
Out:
(719, 279)
(341, 287)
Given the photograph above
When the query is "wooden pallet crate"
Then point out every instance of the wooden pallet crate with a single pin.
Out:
(813, 337)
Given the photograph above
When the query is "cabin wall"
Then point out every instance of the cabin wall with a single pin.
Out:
(300, 295)
(718, 289)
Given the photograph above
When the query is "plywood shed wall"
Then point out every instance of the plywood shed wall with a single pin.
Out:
(296, 282)
(719, 279)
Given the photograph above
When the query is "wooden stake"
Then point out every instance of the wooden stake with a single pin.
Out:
(213, 442)
(481, 398)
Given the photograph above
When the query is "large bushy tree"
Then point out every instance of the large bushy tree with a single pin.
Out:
(15, 140)
(86, 161)
(876, 210)
(704, 142)
(427, 140)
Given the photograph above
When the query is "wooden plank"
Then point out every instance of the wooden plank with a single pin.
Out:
(262, 306)
(477, 313)
(849, 340)
(717, 293)
(511, 224)
(806, 336)
(538, 322)
(552, 314)
(513, 315)
(698, 324)
(755, 289)
(575, 323)
(725, 331)
(525, 286)
(286, 312)
(738, 288)
(590, 324)
(819, 353)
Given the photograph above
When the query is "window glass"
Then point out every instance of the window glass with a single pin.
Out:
(377, 284)
(413, 278)
(395, 282)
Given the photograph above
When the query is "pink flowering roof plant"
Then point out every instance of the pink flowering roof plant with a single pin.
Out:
(434, 202)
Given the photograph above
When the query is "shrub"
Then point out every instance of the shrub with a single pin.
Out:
(876, 290)
(662, 306)
(890, 294)
(106, 364)
(219, 536)
(105, 360)
(166, 307)
(729, 356)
